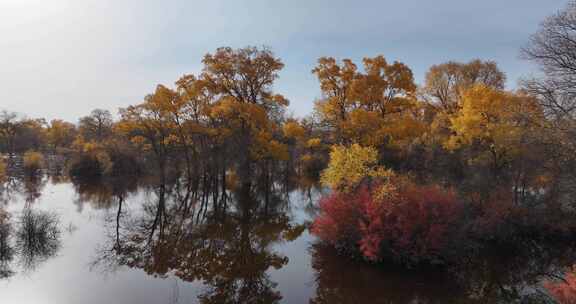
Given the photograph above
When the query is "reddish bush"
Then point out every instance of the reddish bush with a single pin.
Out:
(413, 225)
(563, 292)
(338, 222)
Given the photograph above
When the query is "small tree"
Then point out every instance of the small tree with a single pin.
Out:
(33, 161)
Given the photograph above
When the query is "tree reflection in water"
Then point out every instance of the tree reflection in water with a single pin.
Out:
(103, 194)
(6, 250)
(228, 242)
(490, 277)
(35, 239)
(29, 187)
(224, 240)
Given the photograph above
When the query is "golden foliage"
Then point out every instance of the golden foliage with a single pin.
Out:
(349, 166)
(245, 74)
(2, 169)
(33, 161)
(314, 143)
(292, 129)
(495, 120)
(60, 133)
(372, 108)
(265, 147)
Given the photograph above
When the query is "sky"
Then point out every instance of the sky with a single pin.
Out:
(64, 58)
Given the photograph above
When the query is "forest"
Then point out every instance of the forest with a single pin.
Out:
(414, 175)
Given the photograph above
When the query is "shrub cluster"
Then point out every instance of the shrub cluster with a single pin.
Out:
(400, 220)
(413, 224)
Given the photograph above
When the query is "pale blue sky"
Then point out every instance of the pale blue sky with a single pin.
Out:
(63, 58)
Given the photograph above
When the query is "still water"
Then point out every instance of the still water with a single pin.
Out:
(68, 243)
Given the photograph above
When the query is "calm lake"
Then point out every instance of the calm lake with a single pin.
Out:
(106, 243)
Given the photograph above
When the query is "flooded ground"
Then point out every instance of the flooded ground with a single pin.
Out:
(70, 243)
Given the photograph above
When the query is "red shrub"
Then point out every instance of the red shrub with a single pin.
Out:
(563, 292)
(339, 218)
(419, 223)
(413, 225)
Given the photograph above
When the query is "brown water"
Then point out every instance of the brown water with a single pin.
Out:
(246, 255)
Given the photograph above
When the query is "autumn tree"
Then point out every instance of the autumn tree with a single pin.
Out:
(2, 170)
(60, 133)
(446, 82)
(31, 135)
(149, 126)
(246, 74)
(335, 83)
(97, 125)
(308, 152)
(8, 130)
(375, 107)
(245, 107)
(183, 111)
(225, 118)
(442, 92)
(33, 162)
(495, 122)
(20, 134)
(350, 166)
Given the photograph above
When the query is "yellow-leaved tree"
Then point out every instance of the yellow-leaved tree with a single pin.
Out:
(245, 109)
(350, 166)
(374, 107)
(495, 122)
(60, 134)
(226, 116)
(444, 87)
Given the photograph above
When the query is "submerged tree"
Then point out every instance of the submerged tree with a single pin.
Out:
(149, 126)
(229, 108)
(245, 106)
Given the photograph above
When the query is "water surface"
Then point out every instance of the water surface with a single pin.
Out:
(154, 245)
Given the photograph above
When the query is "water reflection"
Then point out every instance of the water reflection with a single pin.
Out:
(228, 245)
(34, 240)
(103, 193)
(37, 238)
(29, 187)
(226, 242)
(514, 275)
(6, 250)
(345, 281)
